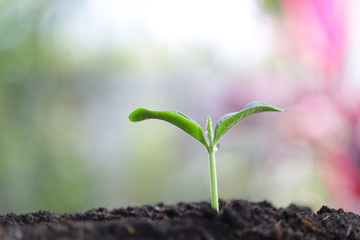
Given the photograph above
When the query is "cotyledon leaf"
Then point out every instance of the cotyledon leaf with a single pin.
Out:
(174, 117)
(226, 122)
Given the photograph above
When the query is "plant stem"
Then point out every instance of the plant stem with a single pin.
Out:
(213, 181)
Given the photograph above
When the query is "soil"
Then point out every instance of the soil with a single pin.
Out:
(238, 219)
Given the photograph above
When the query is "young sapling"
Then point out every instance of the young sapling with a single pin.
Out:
(223, 125)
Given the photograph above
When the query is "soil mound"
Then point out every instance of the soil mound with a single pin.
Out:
(238, 219)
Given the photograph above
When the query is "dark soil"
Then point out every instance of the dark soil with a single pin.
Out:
(238, 219)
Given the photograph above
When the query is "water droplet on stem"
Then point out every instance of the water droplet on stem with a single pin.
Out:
(217, 147)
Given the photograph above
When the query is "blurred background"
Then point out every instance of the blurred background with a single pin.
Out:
(72, 71)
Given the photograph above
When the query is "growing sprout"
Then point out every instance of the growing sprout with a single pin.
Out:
(223, 125)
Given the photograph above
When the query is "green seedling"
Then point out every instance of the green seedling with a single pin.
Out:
(223, 125)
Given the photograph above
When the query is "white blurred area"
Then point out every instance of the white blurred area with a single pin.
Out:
(231, 29)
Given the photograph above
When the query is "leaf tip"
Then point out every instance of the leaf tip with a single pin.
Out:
(137, 115)
(262, 104)
(209, 120)
(281, 110)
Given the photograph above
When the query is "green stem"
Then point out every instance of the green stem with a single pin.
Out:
(213, 181)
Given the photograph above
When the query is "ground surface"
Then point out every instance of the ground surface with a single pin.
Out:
(238, 219)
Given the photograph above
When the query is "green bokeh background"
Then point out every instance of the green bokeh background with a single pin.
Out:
(66, 144)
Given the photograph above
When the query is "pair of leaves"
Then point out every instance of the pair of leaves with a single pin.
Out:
(223, 125)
